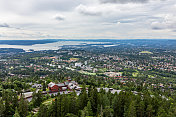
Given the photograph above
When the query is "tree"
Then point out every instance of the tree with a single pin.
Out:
(7, 97)
(162, 113)
(115, 105)
(74, 105)
(43, 111)
(16, 113)
(140, 109)
(23, 107)
(149, 111)
(37, 98)
(131, 112)
(2, 108)
(83, 98)
(106, 101)
(71, 115)
(108, 112)
(93, 100)
(44, 86)
(89, 109)
(65, 104)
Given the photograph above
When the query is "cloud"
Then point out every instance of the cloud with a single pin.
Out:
(124, 1)
(168, 21)
(31, 7)
(59, 17)
(4, 25)
(91, 11)
(87, 18)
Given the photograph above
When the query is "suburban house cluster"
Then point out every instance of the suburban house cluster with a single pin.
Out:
(67, 85)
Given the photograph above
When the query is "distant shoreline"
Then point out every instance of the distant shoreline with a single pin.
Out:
(45, 41)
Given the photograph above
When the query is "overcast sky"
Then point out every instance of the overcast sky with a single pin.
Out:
(88, 19)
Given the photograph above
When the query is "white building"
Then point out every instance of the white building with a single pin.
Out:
(78, 64)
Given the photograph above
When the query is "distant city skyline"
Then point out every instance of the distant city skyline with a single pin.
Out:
(87, 19)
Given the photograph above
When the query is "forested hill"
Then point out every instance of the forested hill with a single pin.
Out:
(26, 42)
(91, 104)
(10, 50)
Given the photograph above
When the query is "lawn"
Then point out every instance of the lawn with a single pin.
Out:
(135, 74)
(49, 101)
(150, 76)
(74, 59)
(102, 70)
(87, 73)
(145, 52)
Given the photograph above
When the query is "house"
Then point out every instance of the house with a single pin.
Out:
(57, 87)
(70, 85)
(37, 86)
(78, 64)
(53, 87)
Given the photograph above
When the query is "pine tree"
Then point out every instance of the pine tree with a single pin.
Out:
(44, 86)
(115, 105)
(89, 109)
(105, 101)
(161, 112)
(131, 112)
(23, 107)
(149, 111)
(83, 98)
(74, 105)
(140, 109)
(6, 96)
(71, 115)
(93, 100)
(43, 111)
(37, 98)
(52, 109)
(108, 112)
(89, 91)
(2, 108)
(16, 113)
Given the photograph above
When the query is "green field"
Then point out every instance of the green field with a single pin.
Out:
(145, 52)
(135, 74)
(49, 101)
(74, 59)
(87, 73)
(102, 70)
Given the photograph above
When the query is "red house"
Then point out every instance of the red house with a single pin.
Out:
(57, 87)
(53, 88)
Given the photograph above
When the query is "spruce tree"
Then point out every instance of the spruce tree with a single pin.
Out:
(2, 108)
(23, 107)
(16, 113)
(89, 109)
(43, 111)
(131, 112)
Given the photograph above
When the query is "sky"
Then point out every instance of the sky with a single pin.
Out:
(87, 19)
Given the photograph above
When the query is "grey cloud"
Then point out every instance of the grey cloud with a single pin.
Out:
(124, 1)
(157, 28)
(31, 7)
(168, 22)
(4, 25)
(87, 11)
(127, 21)
(163, 26)
(90, 13)
(61, 5)
(59, 17)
